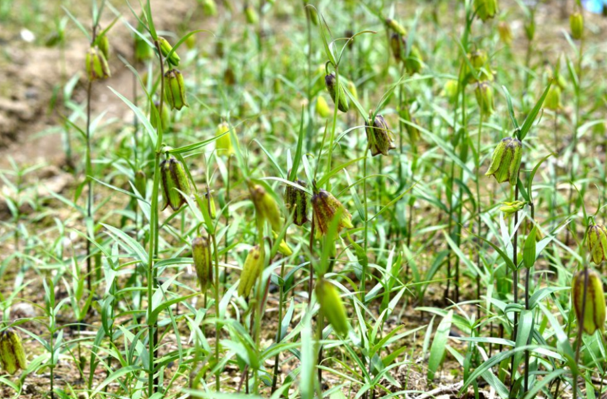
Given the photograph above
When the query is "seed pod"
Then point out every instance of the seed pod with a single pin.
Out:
(203, 262)
(506, 161)
(485, 9)
(12, 355)
(54, 38)
(348, 35)
(223, 144)
(322, 108)
(332, 306)
(505, 34)
(412, 131)
(414, 62)
(174, 89)
(207, 202)
(96, 65)
(450, 90)
(326, 207)
(104, 45)
(397, 45)
(530, 29)
(229, 78)
(596, 237)
(484, 98)
(143, 51)
(311, 13)
(174, 177)
(296, 202)
(553, 98)
(165, 116)
(478, 58)
(250, 14)
(165, 48)
(593, 316)
(266, 206)
(576, 24)
(331, 84)
(209, 7)
(140, 182)
(283, 247)
(510, 208)
(190, 42)
(379, 136)
(396, 27)
(253, 266)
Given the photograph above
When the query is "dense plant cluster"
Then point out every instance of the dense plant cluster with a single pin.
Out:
(321, 199)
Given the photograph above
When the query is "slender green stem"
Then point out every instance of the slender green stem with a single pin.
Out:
(217, 330)
(154, 234)
(366, 229)
(514, 282)
(580, 332)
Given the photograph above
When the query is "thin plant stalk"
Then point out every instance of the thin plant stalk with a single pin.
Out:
(580, 332)
(217, 288)
(514, 281)
(151, 277)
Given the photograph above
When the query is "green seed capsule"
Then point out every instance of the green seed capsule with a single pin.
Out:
(332, 306)
(396, 27)
(12, 355)
(253, 266)
(223, 144)
(326, 207)
(505, 34)
(485, 9)
(165, 48)
(96, 65)
(506, 161)
(553, 98)
(379, 137)
(530, 29)
(174, 178)
(174, 89)
(311, 13)
(322, 108)
(296, 202)
(283, 247)
(450, 90)
(397, 45)
(266, 207)
(414, 62)
(143, 51)
(576, 24)
(510, 208)
(593, 316)
(596, 238)
(104, 45)
(412, 131)
(203, 262)
(331, 84)
(484, 98)
(250, 14)
(209, 7)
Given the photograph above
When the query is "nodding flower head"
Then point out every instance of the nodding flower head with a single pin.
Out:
(506, 161)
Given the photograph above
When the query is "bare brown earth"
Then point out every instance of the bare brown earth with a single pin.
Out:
(32, 73)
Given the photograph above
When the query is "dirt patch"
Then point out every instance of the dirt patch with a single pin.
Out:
(35, 76)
